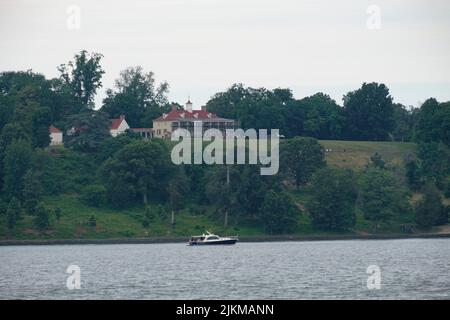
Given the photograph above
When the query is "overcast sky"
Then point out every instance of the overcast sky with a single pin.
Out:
(201, 47)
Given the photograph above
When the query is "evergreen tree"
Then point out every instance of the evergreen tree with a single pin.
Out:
(430, 209)
(42, 219)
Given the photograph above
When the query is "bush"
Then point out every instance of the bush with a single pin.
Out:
(93, 195)
(92, 221)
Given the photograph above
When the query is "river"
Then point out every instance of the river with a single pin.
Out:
(408, 269)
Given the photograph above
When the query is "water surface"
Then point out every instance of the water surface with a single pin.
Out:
(410, 269)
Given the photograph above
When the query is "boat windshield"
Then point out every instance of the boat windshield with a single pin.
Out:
(212, 238)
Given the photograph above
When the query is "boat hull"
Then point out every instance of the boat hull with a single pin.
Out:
(212, 243)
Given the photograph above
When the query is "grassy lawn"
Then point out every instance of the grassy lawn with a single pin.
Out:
(356, 154)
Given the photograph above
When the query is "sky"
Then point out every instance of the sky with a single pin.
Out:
(201, 47)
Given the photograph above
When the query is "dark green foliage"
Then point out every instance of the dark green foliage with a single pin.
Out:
(300, 157)
(333, 199)
(413, 176)
(279, 213)
(433, 123)
(381, 196)
(435, 161)
(369, 113)
(92, 221)
(58, 213)
(139, 168)
(376, 161)
(13, 213)
(42, 217)
(137, 98)
(40, 122)
(430, 210)
(94, 195)
(32, 191)
(82, 77)
(16, 163)
(148, 217)
(86, 131)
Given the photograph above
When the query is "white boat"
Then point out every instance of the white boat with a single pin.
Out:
(211, 239)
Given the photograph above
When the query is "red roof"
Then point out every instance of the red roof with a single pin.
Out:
(53, 129)
(176, 114)
(115, 123)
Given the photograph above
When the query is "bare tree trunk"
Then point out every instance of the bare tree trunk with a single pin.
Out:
(172, 219)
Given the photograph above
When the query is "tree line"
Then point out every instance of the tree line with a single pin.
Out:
(126, 170)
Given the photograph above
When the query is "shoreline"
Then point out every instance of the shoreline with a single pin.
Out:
(262, 238)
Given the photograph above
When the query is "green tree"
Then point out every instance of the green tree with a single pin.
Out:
(300, 157)
(41, 120)
(92, 221)
(140, 167)
(32, 190)
(434, 161)
(137, 97)
(41, 219)
(94, 195)
(13, 213)
(429, 210)
(87, 131)
(279, 213)
(324, 118)
(16, 163)
(376, 161)
(332, 206)
(83, 76)
(369, 112)
(381, 196)
(58, 213)
(433, 123)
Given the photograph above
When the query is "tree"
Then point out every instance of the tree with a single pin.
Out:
(177, 188)
(413, 177)
(381, 196)
(40, 123)
(41, 220)
(15, 165)
(404, 122)
(434, 161)
(87, 131)
(433, 123)
(324, 118)
(332, 206)
(83, 76)
(300, 157)
(279, 213)
(32, 190)
(93, 195)
(369, 112)
(376, 161)
(92, 221)
(58, 213)
(137, 97)
(429, 210)
(13, 213)
(140, 167)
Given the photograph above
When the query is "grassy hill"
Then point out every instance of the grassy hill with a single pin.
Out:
(114, 223)
(356, 154)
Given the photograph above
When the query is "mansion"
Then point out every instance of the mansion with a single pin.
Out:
(162, 126)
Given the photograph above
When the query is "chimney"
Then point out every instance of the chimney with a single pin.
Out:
(189, 106)
(174, 107)
(122, 117)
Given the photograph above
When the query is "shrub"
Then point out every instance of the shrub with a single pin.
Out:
(93, 195)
